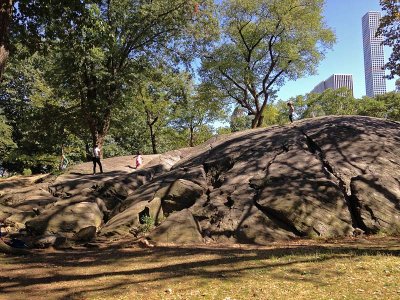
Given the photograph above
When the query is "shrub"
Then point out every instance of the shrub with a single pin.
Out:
(27, 172)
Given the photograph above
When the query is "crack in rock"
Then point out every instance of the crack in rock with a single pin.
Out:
(277, 217)
(257, 184)
(373, 217)
(352, 202)
(216, 169)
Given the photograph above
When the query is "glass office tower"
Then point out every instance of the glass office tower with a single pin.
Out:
(375, 82)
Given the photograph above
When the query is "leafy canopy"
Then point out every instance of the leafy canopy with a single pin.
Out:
(390, 29)
(263, 44)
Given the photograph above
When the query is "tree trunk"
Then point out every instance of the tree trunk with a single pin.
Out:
(259, 116)
(99, 123)
(5, 19)
(255, 121)
(191, 144)
(150, 124)
(62, 157)
(153, 139)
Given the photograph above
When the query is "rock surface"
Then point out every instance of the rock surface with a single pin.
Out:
(69, 218)
(330, 176)
(179, 228)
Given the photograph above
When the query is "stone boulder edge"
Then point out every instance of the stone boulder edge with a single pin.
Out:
(129, 221)
(178, 228)
(179, 195)
(66, 219)
(378, 203)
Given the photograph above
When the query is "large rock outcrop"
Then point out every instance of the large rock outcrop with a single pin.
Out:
(317, 177)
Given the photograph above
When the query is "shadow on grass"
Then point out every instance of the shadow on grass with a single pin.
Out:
(123, 267)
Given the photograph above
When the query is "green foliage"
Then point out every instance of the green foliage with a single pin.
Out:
(17, 161)
(272, 115)
(94, 54)
(27, 172)
(390, 29)
(382, 106)
(6, 141)
(157, 90)
(239, 120)
(41, 122)
(147, 223)
(224, 130)
(98, 49)
(371, 107)
(263, 44)
(392, 105)
(194, 110)
(277, 113)
(330, 102)
(341, 102)
(203, 134)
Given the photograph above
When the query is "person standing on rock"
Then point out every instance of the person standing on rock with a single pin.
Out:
(291, 110)
(139, 160)
(96, 159)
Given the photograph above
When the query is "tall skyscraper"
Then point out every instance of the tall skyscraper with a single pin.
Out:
(335, 81)
(375, 82)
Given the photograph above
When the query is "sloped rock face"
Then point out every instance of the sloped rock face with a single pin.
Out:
(322, 177)
(302, 180)
(179, 195)
(66, 219)
(377, 201)
(129, 221)
(179, 228)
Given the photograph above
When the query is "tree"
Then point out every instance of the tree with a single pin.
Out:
(5, 19)
(385, 106)
(99, 47)
(6, 142)
(371, 107)
(264, 43)
(329, 102)
(158, 88)
(239, 120)
(42, 123)
(195, 110)
(392, 105)
(389, 28)
(273, 114)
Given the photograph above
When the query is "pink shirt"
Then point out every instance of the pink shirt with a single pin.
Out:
(139, 161)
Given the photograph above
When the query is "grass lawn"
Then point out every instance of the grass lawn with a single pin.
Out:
(363, 268)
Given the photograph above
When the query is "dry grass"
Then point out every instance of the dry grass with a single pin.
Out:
(351, 269)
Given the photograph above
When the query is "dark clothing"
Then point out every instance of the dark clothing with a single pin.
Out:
(291, 111)
(97, 160)
(291, 117)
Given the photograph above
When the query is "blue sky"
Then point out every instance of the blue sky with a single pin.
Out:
(346, 56)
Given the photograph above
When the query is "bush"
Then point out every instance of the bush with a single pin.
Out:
(148, 223)
(17, 161)
(27, 172)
